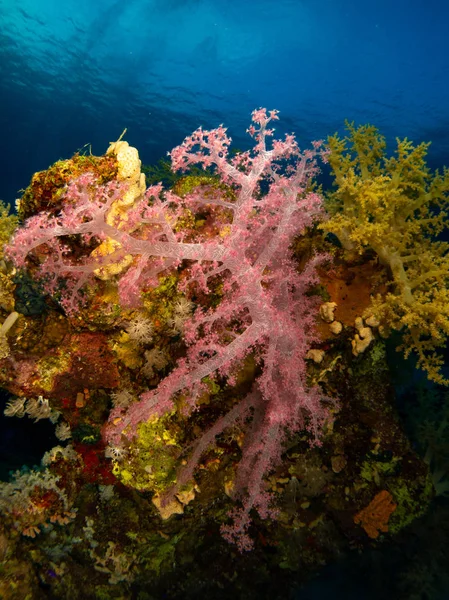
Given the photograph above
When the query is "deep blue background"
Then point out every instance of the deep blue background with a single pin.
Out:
(80, 71)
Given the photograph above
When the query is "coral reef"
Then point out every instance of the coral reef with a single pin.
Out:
(214, 367)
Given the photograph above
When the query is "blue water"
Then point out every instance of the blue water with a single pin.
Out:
(80, 71)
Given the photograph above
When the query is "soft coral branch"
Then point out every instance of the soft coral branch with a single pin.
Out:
(264, 307)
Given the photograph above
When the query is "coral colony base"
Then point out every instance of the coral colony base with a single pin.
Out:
(241, 351)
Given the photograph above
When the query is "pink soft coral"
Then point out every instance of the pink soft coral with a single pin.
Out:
(264, 309)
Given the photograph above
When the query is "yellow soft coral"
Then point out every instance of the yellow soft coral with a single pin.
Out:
(396, 206)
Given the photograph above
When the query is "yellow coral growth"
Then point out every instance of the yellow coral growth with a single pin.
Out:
(396, 206)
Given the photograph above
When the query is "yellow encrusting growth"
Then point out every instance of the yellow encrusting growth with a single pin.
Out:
(128, 171)
(398, 207)
(129, 164)
(153, 458)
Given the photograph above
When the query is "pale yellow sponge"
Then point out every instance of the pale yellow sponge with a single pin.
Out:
(127, 158)
(129, 172)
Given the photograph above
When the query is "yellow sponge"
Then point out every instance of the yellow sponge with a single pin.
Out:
(128, 171)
